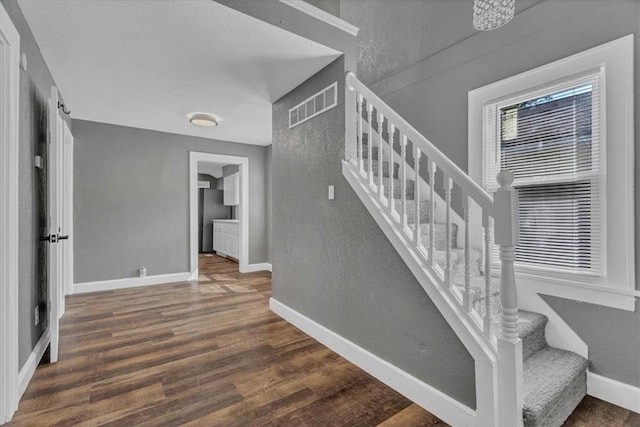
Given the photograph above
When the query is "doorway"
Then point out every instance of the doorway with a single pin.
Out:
(197, 161)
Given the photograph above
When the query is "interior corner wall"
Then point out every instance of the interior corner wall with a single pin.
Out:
(131, 201)
(334, 265)
(269, 205)
(35, 90)
(432, 95)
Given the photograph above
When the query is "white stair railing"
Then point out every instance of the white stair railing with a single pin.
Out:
(499, 220)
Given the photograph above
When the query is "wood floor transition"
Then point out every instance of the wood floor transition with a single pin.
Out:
(210, 353)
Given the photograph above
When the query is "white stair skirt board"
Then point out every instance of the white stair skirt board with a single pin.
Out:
(29, 368)
(558, 333)
(612, 391)
(129, 282)
(434, 401)
(263, 266)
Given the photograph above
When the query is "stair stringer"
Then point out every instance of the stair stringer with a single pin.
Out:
(463, 325)
(558, 333)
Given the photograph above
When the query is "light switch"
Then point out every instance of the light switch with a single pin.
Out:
(331, 193)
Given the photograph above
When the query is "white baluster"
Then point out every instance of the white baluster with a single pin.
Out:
(432, 213)
(417, 154)
(360, 132)
(448, 184)
(403, 182)
(380, 157)
(392, 169)
(467, 301)
(488, 321)
(370, 144)
(510, 370)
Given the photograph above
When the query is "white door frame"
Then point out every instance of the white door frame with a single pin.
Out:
(195, 158)
(67, 214)
(9, 145)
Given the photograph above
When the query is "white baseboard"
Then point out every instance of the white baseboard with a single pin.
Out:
(263, 266)
(434, 401)
(29, 368)
(612, 391)
(129, 282)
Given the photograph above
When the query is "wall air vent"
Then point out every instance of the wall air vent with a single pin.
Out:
(317, 104)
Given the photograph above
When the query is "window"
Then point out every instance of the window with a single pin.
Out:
(550, 140)
(565, 130)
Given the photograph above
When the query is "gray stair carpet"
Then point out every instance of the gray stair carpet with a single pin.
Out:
(555, 381)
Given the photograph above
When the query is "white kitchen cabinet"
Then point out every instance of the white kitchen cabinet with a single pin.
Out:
(231, 185)
(226, 237)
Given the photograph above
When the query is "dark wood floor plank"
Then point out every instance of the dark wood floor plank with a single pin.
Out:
(211, 353)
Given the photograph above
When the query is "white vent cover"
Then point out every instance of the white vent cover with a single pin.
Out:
(322, 101)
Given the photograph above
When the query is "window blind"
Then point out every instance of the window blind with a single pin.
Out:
(550, 140)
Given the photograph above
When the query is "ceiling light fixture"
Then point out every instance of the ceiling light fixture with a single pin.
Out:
(491, 14)
(203, 119)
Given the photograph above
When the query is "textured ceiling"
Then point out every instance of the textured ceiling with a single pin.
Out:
(147, 64)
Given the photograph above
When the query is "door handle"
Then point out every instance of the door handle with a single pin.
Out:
(63, 237)
(51, 238)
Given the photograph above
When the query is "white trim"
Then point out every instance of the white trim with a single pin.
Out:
(612, 391)
(617, 57)
(130, 282)
(607, 297)
(29, 368)
(9, 159)
(263, 266)
(323, 16)
(557, 333)
(243, 162)
(431, 399)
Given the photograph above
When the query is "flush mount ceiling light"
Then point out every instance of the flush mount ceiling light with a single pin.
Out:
(491, 14)
(203, 119)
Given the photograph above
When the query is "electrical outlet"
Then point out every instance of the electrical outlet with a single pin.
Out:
(36, 316)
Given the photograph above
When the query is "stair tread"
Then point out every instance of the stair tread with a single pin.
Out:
(554, 383)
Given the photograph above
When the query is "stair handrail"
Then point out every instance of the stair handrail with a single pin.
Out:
(478, 193)
(502, 208)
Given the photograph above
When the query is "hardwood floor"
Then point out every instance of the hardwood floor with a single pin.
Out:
(210, 353)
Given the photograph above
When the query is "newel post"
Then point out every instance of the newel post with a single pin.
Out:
(510, 376)
(351, 120)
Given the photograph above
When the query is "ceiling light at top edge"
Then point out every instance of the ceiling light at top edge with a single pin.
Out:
(491, 14)
(203, 120)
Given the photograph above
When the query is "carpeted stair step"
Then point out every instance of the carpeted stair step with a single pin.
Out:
(531, 330)
(411, 210)
(397, 189)
(555, 381)
(439, 234)
(385, 168)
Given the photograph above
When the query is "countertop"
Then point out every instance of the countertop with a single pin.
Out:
(235, 221)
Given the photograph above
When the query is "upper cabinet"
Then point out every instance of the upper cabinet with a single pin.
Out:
(232, 189)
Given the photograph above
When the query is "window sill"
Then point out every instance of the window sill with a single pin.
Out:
(622, 299)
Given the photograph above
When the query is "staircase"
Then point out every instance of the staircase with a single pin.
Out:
(530, 383)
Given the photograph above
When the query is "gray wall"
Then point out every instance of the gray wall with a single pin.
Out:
(432, 95)
(331, 6)
(35, 89)
(269, 205)
(132, 200)
(332, 262)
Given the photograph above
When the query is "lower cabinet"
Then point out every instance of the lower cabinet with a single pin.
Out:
(226, 238)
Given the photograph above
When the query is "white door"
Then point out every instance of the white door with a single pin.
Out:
(55, 268)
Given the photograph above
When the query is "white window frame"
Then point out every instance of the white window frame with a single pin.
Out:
(597, 78)
(616, 285)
